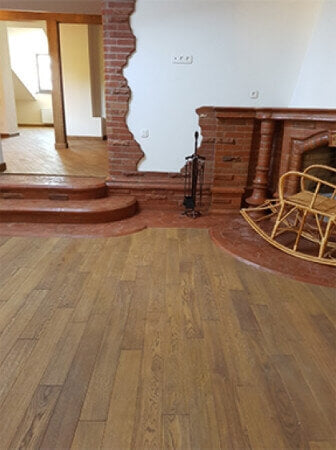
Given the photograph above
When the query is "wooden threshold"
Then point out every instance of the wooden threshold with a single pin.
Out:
(9, 135)
(37, 125)
(90, 138)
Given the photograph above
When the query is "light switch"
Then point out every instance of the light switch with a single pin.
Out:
(144, 133)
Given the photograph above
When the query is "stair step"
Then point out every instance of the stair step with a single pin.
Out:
(99, 210)
(53, 187)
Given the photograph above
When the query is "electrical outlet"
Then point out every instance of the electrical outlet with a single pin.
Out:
(182, 59)
(144, 133)
(254, 94)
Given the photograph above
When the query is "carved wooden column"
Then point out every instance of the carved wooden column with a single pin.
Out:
(260, 182)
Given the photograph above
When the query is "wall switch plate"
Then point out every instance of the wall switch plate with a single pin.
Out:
(182, 59)
(254, 94)
(145, 133)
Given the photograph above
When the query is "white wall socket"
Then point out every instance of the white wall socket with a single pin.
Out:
(254, 94)
(144, 133)
(182, 59)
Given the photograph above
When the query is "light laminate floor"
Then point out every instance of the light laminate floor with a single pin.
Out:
(160, 340)
(33, 151)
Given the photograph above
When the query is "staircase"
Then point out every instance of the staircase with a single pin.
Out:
(60, 199)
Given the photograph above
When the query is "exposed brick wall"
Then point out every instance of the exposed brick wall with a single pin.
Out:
(119, 44)
(234, 139)
(231, 139)
(151, 189)
(227, 144)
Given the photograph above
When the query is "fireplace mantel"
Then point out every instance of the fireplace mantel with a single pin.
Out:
(328, 115)
(249, 148)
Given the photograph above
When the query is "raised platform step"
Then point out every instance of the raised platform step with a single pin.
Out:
(53, 187)
(99, 210)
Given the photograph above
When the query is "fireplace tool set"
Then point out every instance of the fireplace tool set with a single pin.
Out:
(193, 182)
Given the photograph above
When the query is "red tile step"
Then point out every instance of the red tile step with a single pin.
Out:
(53, 187)
(99, 210)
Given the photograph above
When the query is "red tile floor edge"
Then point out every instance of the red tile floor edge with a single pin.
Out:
(229, 232)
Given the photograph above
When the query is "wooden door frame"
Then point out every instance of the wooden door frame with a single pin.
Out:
(53, 21)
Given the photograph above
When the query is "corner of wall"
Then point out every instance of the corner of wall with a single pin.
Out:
(320, 5)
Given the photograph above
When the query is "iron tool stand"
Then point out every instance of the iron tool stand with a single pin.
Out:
(193, 182)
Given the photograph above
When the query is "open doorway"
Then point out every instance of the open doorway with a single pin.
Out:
(29, 141)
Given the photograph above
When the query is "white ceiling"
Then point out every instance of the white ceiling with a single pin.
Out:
(94, 6)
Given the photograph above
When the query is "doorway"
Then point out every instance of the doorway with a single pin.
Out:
(58, 122)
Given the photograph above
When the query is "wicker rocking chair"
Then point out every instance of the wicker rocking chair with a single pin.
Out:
(310, 215)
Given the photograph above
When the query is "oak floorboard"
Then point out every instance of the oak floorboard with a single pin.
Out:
(159, 340)
(230, 425)
(148, 425)
(88, 436)
(176, 432)
(136, 320)
(122, 408)
(174, 376)
(262, 429)
(63, 422)
(101, 383)
(204, 427)
(24, 387)
(192, 322)
(315, 426)
(19, 321)
(31, 429)
(60, 363)
(322, 445)
(33, 151)
(12, 365)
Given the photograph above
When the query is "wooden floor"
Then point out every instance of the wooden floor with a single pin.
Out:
(159, 340)
(33, 151)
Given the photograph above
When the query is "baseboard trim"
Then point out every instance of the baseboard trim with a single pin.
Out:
(3, 167)
(90, 138)
(9, 135)
(61, 145)
(39, 125)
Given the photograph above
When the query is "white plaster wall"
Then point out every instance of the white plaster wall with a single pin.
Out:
(76, 82)
(29, 111)
(237, 46)
(8, 121)
(316, 85)
(96, 61)
(24, 44)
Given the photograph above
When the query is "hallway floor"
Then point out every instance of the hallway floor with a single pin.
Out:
(33, 152)
(160, 340)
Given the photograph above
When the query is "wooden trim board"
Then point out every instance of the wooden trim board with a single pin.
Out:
(58, 17)
(9, 135)
(57, 92)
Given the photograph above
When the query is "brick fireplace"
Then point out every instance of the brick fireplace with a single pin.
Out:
(246, 149)
(252, 148)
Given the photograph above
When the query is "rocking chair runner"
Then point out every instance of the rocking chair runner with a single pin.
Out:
(309, 214)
